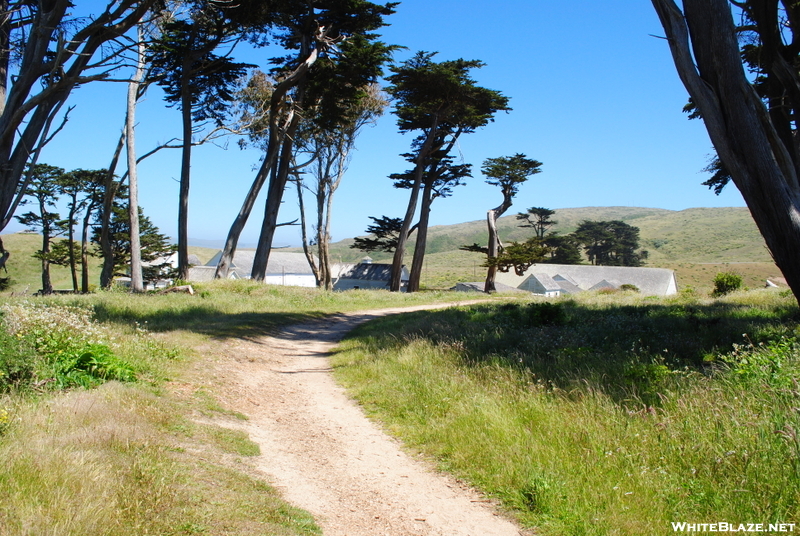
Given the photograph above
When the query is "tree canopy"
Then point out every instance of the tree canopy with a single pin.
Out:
(441, 101)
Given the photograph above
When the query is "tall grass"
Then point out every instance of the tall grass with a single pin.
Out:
(105, 461)
(602, 415)
(109, 422)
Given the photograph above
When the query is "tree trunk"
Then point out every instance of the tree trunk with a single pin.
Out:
(47, 285)
(277, 185)
(324, 250)
(110, 187)
(5, 55)
(738, 123)
(133, 182)
(186, 161)
(411, 209)
(4, 255)
(276, 137)
(304, 232)
(422, 238)
(71, 244)
(85, 249)
(494, 240)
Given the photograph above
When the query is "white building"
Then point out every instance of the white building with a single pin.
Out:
(558, 279)
(283, 268)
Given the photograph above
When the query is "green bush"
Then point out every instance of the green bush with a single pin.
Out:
(61, 346)
(725, 283)
(16, 362)
(89, 366)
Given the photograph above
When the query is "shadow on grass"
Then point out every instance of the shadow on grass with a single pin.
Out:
(619, 349)
(205, 319)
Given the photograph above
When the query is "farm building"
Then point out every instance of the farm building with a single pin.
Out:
(365, 274)
(284, 268)
(560, 279)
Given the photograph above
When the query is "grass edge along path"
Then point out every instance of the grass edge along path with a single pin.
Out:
(585, 419)
(154, 455)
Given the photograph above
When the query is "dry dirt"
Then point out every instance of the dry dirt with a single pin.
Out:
(320, 450)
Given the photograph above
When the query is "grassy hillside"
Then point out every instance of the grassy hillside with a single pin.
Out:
(692, 235)
(25, 270)
(697, 243)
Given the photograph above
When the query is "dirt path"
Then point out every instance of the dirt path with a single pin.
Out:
(327, 457)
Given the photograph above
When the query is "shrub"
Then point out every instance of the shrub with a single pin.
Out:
(16, 362)
(61, 345)
(725, 283)
(627, 287)
(545, 314)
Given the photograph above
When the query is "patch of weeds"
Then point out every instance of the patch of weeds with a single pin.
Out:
(764, 362)
(647, 380)
(5, 420)
(233, 441)
(211, 405)
(17, 361)
(71, 349)
(535, 494)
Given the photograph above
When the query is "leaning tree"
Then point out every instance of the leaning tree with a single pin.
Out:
(185, 63)
(745, 84)
(440, 101)
(507, 172)
(43, 190)
(332, 53)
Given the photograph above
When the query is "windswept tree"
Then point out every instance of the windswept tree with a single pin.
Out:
(440, 101)
(438, 180)
(332, 55)
(745, 84)
(508, 173)
(538, 219)
(199, 81)
(155, 246)
(43, 190)
(45, 52)
(564, 249)
(81, 188)
(519, 255)
(381, 235)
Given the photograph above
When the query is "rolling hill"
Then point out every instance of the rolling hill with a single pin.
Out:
(697, 243)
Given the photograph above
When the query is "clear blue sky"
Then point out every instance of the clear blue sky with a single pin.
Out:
(595, 97)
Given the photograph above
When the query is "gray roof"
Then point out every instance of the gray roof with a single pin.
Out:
(613, 284)
(479, 286)
(206, 273)
(280, 262)
(194, 260)
(547, 282)
(561, 277)
(366, 271)
(650, 281)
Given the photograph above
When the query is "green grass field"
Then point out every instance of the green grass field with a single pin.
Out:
(606, 414)
(125, 454)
